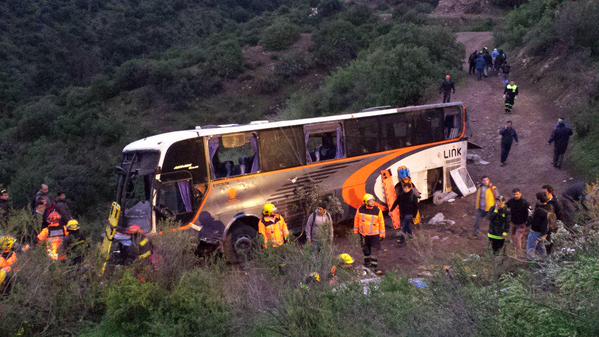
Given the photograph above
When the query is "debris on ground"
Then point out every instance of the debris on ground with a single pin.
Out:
(476, 159)
(439, 219)
(441, 197)
(418, 283)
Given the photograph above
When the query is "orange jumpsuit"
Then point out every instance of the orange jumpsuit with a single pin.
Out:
(274, 230)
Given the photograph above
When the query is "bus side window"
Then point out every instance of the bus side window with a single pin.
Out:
(452, 124)
(234, 155)
(396, 131)
(324, 142)
(362, 136)
(282, 148)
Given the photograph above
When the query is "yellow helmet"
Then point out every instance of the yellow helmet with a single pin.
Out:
(7, 243)
(73, 225)
(269, 209)
(346, 259)
(368, 197)
(315, 276)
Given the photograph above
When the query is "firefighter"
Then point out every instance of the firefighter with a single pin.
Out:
(272, 227)
(499, 225)
(8, 258)
(76, 244)
(54, 237)
(135, 247)
(509, 94)
(370, 225)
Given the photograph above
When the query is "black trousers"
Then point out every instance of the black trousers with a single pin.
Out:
(558, 157)
(505, 151)
(446, 97)
(370, 244)
(496, 245)
(471, 68)
(509, 103)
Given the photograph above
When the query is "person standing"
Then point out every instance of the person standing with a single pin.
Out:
(508, 136)
(4, 209)
(509, 94)
(272, 227)
(498, 225)
(505, 70)
(535, 246)
(472, 62)
(76, 244)
(408, 208)
(54, 236)
(62, 207)
(494, 56)
(488, 61)
(485, 202)
(370, 225)
(480, 65)
(42, 193)
(519, 211)
(319, 228)
(560, 138)
(447, 87)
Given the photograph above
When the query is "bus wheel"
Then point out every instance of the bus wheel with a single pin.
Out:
(240, 243)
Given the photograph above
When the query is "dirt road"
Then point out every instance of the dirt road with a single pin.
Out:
(528, 167)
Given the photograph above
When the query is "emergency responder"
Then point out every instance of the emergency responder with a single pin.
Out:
(446, 88)
(8, 259)
(344, 261)
(560, 138)
(509, 94)
(485, 202)
(272, 227)
(370, 225)
(508, 136)
(408, 208)
(499, 225)
(54, 236)
(75, 244)
(4, 209)
(135, 247)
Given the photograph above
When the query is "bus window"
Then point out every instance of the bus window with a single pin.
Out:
(396, 131)
(362, 136)
(452, 124)
(428, 126)
(323, 142)
(175, 198)
(282, 148)
(186, 156)
(233, 155)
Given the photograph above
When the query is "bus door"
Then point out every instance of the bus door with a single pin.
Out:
(174, 196)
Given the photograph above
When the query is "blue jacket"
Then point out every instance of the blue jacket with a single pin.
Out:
(494, 54)
(481, 63)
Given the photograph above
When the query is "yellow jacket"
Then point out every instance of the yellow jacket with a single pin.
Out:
(274, 230)
(489, 197)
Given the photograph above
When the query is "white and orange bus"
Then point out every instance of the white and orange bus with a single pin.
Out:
(216, 179)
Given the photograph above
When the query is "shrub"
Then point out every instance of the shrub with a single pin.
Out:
(226, 59)
(292, 65)
(577, 25)
(280, 35)
(336, 43)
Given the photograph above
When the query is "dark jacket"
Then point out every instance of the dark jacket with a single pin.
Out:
(499, 223)
(472, 57)
(408, 204)
(36, 198)
(508, 135)
(480, 62)
(510, 92)
(488, 59)
(62, 207)
(518, 210)
(560, 136)
(447, 86)
(76, 245)
(576, 192)
(539, 221)
(555, 207)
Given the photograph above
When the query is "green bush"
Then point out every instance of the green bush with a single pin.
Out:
(280, 35)
(226, 59)
(577, 25)
(293, 65)
(336, 43)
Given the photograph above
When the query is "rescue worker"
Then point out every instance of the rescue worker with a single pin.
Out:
(539, 227)
(509, 94)
(560, 138)
(408, 209)
(519, 210)
(485, 202)
(508, 136)
(319, 228)
(54, 236)
(136, 246)
(499, 225)
(8, 259)
(446, 88)
(405, 179)
(344, 261)
(4, 209)
(370, 225)
(272, 227)
(76, 243)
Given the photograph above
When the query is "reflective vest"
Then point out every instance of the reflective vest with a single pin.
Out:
(7, 260)
(54, 236)
(489, 198)
(369, 221)
(274, 230)
(513, 88)
(499, 224)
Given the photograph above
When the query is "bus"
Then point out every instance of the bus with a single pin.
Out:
(216, 179)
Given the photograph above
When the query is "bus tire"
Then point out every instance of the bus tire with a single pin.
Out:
(240, 243)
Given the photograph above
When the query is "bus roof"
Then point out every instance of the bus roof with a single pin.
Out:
(163, 141)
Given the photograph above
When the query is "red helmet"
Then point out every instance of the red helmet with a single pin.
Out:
(134, 230)
(54, 217)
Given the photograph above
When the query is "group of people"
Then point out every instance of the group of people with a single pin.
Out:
(530, 228)
(481, 62)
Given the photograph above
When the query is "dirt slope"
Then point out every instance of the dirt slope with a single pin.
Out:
(529, 167)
